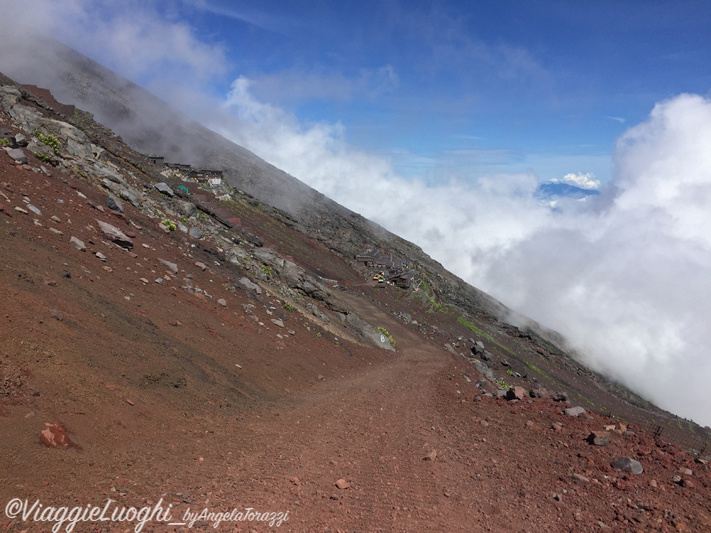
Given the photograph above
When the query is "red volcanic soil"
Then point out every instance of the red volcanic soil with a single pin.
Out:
(168, 395)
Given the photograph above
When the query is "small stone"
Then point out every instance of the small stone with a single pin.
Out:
(56, 231)
(34, 209)
(599, 438)
(222, 302)
(277, 322)
(170, 266)
(687, 484)
(686, 471)
(200, 265)
(559, 397)
(581, 478)
(342, 484)
(159, 281)
(79, 245)
(56, 315)
(20, 210)
(101, 256)
(627, 465)
(430, 456)
(54, 435)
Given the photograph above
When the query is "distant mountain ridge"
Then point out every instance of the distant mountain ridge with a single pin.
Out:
(551, 191)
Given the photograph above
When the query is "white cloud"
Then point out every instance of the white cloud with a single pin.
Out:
(583, 180)
(132, 37)
(626, 279)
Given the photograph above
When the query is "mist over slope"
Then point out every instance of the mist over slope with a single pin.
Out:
(623, 276)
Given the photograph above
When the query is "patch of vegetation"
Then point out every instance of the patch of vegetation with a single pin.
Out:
(5, 142)
(170, 225)
(288, 307)
(42, 157)
(484, 334)
(509, 372)
(535, 368)
(49, 140)
(503, 385)
(267, 270)
(390, 337)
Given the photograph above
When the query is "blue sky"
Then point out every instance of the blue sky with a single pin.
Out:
(464, 87)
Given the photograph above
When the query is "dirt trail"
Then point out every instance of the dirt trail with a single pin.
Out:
(373, 430)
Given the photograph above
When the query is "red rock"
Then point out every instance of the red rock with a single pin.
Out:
(516, 393)
(599, 438)
(54, 436)
(342, 484)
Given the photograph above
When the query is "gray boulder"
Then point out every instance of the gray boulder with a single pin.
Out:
(484, 369)
(78, 244)
(575, 411)
(627, 465)
(184, 209)
(114, 234)
(17, 154)
(114, 203)
(170, 266)
(164, 189)
(247, 284)
(130, 196)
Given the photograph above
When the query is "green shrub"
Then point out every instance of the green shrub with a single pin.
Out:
(49, 140)
(6, 142)
(170, 225)
(42, 157)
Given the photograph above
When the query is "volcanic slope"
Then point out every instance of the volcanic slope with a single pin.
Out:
(216, 368)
